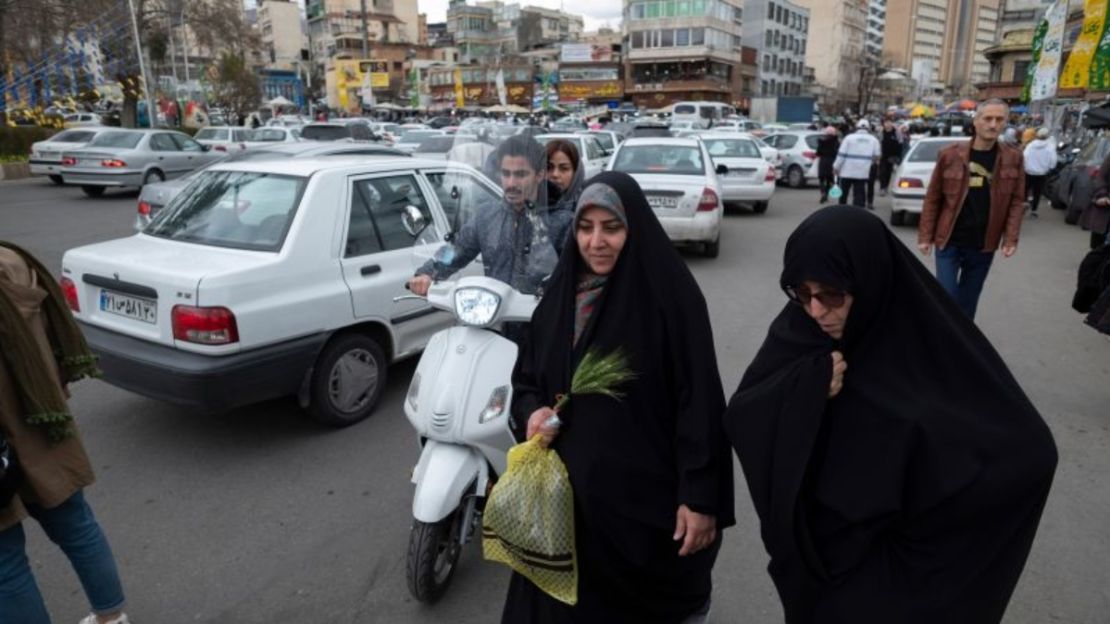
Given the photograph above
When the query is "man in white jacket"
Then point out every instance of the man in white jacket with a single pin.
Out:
(858, 152)
(1040, 158)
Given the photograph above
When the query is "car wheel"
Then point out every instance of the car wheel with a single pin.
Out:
(712, 250)
(153, 176)
(760, 207)
(347, 380)
(795, 177)
(897, 217)
(92, 191)
(57, 179)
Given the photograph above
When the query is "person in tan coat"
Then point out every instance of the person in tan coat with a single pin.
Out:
(41, 351)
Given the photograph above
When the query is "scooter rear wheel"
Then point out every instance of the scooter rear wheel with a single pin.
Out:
(433, 552)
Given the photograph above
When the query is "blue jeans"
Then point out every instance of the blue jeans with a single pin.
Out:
(962, 271)
(71, 526)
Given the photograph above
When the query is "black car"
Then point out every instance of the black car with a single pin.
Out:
(1071, 188)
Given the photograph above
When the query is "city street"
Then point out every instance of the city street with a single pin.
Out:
(261, 515)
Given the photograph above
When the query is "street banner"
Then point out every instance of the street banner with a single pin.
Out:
(460, 101)
(1100, 67)
(1077, 69)
(1038, 45)
(367, 91)
(1046, 79)
(414, 96)
(502, 92)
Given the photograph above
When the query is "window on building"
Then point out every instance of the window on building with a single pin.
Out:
(667, 38)
(770, 38)
(699, 7)
(697, 36)
(737, 14)
(766, 64)
(638, 11)
(669, 8)
(683, 8)
(763, 87)
(652, 10)
(682, 37)
(1021, 68)
(637, 39)
(770, 10)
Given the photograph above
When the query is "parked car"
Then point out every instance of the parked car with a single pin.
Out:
(46, 156)
(81, 120)
(1073, 186)
(337, 131)
(911, 178)
(271, 278)
(410, 140)
(798, 149)
(133, 157)
(608, 139)
(591, 156)
(747, 177)
(272, 135)
(650, 130)
(287, 121)
(155, 196)
(679, 179)
(225, 138)
(569, 124)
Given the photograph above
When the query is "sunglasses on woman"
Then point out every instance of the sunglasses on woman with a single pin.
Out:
(802, 296)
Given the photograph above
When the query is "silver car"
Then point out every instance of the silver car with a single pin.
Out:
(133, 157)
(46, 156)
(798, 150)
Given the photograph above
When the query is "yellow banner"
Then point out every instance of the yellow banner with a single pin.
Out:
(1077, 69)
(459, 100)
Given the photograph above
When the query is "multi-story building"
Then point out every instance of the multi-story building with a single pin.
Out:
(486, 30)
(682, 50)
(539, 27)
(279, 25)
(778, 30)
(1011, 55)
(335, 27)
(876, 28)
(837, 49)
(942, 43)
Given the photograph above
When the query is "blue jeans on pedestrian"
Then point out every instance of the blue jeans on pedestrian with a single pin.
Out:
(71, 526)
(962, 272)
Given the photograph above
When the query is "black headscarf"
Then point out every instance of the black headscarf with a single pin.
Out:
(632, 461)
(914, 495)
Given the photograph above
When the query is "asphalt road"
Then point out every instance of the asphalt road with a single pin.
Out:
(262, 516)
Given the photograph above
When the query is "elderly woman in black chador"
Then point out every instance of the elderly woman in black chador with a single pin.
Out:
(651, 471)
(898, 470)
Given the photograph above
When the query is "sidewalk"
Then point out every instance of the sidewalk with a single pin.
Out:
(14, 171)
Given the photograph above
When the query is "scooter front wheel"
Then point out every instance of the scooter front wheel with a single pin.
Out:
(433, 552)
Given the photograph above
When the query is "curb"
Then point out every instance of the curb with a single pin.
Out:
(14, 171)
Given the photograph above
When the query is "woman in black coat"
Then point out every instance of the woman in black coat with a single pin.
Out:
(827, 148)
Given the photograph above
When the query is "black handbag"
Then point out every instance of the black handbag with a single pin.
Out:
(10, 474)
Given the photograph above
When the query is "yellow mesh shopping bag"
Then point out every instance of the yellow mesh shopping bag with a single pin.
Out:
(528, 523)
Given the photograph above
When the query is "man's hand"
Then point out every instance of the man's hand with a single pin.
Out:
(696, 530)
(839, 366)
(1008, 250)
(420, 284)
(537, 423)
(1102, 201)
(924, 248)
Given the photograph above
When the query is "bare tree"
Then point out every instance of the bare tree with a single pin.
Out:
(237, 87)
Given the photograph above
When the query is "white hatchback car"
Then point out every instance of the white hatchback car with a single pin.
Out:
(272, 278)
(911, 178)
(748, 177)
(680, 181)
(46, 156)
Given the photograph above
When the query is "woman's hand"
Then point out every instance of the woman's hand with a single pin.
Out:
(699, 530)
(537, 423)
(839, 366)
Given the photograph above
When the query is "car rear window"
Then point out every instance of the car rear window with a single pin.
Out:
(927, 151)
(117, 139)
(242, 135)
(684, 109)
(73, 136)
(438, 144)
(268, 134)
(812, 139)
(241, 210)
(325, 133)
(662, 159)
(651, 131)
(732, 148)
(211, 134)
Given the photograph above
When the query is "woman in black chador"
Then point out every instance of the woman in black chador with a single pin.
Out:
(898, 470)
(651, 471)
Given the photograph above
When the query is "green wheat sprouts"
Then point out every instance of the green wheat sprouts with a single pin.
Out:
(597, 374)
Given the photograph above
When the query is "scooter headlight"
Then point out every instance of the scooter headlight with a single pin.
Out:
(476, 306)
(498, 403)
(414, 391)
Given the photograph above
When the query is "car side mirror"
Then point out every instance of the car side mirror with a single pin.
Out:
(722, 170)
(207, 148)
(413, 221)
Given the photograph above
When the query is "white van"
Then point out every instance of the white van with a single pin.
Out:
(702, 114)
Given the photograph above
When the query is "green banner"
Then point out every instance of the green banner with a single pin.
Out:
(1100, 65)
(1038, 43)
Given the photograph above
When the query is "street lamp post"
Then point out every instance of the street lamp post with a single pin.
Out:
(151, 114)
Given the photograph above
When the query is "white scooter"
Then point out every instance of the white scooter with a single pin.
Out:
(458, 402)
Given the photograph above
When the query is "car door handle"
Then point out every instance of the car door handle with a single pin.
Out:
(371, 269)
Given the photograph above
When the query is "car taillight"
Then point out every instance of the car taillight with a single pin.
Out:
(220, 148)
(69, 161)
(770, 177)
(144, 208)
(207, 326)
(112, 162)
(910, 183)
(708, 201)
(69, 289)
(810, 155)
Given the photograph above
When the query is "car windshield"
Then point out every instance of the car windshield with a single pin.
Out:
(416, 136)
(72, 136)
(606, 140)
(242, 210)
(732, 148)
(662, 159)
(117, 139)
(927, 151)
(211, 134)
(268, 134)
(325, 133)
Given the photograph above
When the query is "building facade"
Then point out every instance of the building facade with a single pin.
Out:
(836, 50)
(778, 30)
(279, 27)
(335, 27)
(876, 28)
(682, 50)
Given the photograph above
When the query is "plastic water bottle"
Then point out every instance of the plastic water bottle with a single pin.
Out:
(835, 192)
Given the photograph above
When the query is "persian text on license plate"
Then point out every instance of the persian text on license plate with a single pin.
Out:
(144, 310)
(659, 201)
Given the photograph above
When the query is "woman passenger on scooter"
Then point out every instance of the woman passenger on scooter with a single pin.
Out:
(565, 175)
(650, 471)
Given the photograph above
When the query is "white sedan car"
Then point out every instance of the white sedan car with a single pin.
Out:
(226, 139)
(271, 278)
(679, 179)
(46, 156)
(592, 156)
(747, 176)
(911, 179)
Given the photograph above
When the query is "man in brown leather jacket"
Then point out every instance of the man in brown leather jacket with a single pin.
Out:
(974, 203)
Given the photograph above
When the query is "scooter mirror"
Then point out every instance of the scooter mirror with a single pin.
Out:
(413, 221)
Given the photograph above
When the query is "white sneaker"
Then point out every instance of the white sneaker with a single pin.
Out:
(91, 619)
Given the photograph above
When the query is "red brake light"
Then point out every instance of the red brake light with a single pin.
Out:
(708, 201)
(144, 208)
(112, 162)
(207, 326)
(910, 183)
(810, 155)
(770, 177)
(69, 161)
(69, 289)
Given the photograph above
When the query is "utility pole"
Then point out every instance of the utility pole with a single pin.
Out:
(151, 113)
(365, 31)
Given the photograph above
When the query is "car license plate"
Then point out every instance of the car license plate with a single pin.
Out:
(144, 310)
(48, 155)
(660, 201)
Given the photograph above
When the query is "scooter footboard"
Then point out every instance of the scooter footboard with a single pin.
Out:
(442, 477)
